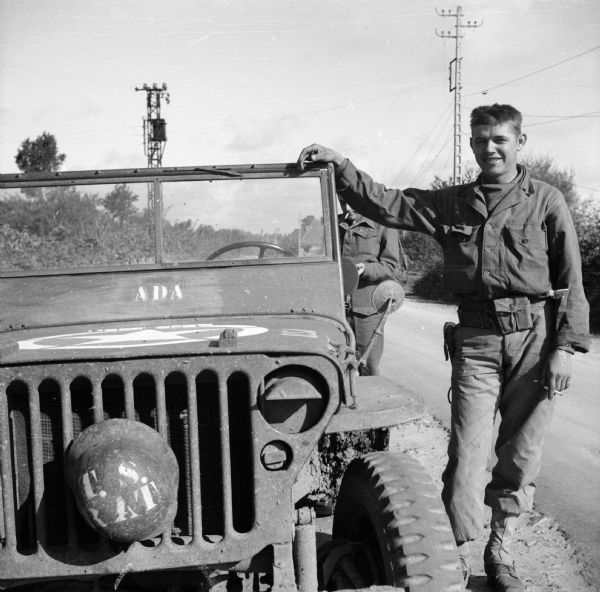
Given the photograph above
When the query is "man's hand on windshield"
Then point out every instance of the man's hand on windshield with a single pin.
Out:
(318, 153)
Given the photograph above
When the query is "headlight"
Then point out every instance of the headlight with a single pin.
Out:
(293, 401)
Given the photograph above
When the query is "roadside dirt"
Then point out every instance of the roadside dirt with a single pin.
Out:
(546, 560)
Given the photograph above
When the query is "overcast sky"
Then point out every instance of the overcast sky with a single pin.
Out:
(255, 81)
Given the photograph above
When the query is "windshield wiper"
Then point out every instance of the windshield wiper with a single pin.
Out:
(217, 171)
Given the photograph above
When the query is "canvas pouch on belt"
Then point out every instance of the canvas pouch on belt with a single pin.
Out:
(512, 314)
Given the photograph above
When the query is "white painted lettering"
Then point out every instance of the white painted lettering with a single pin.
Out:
(141, 294)
(89, 488)
(128, 472)
(147, 495)
(159, 292)
(124, 511)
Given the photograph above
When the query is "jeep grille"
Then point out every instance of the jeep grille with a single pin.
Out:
(202, 406)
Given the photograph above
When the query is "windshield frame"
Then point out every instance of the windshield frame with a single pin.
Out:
(198, 173)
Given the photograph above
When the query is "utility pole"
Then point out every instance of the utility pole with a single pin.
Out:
(155, 130)
(455, 79)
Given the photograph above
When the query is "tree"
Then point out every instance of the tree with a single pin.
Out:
(544, 169)
(40, 155)
(469, 176)
(586, 215)
(119, 202)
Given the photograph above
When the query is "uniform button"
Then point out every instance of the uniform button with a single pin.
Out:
(511, 306)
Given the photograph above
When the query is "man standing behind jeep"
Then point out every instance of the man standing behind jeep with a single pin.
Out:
(376, 253)
(512, 257)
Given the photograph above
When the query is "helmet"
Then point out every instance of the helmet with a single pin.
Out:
(124, 478)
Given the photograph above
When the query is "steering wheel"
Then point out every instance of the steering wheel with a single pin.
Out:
(262, 247)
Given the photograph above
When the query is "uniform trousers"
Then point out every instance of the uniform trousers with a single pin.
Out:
(494, 373)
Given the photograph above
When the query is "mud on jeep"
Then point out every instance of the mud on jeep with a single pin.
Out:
(173, 345)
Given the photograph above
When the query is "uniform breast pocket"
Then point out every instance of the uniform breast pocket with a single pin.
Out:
(366, 240)
(365, 232)
(526, 245)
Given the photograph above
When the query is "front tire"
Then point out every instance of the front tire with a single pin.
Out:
(389, 517)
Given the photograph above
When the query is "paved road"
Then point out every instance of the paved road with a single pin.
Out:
(569, 482)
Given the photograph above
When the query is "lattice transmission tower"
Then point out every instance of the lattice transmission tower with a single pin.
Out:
(155, 130)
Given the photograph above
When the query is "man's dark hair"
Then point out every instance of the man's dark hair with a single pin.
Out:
(497, 115)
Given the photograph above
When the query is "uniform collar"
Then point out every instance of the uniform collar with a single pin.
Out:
(475, 199)
(358, 219)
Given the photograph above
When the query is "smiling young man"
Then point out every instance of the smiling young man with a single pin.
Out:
(511, 256)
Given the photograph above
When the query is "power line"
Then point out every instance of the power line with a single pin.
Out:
(588, 188)
(407, 164)
(563, 118)
(426, 158)
(427, 166)
(535, 72)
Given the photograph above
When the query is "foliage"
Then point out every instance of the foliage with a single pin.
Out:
(39, 155)
(470, 175)
(544, 169)
(421, 251)
(586, 216)
(67, 227)
(184, 242)
(119, 202)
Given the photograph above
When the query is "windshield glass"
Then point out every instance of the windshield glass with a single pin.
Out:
(100, 225)
(249, 219)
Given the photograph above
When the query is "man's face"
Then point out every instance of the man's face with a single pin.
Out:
(496, 148)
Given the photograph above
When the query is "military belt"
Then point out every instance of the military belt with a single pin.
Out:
(504, 314)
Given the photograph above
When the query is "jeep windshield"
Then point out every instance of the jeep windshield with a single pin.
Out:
(93, 220)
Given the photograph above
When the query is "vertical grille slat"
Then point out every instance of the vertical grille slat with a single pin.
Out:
(129, 400)
(39, 506)
(7, 508)
(161, 408)
(225, 455)
(97, 398)
(67, 438)
(194, 457)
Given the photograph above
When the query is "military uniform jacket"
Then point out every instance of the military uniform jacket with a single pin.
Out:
(378, 247)
(525, 247)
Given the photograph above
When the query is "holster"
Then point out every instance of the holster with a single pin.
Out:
(449, 347)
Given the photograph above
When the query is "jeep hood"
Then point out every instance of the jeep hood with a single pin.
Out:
(277, 334)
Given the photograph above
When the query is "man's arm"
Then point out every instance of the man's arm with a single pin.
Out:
(413, 209)
(572, 311)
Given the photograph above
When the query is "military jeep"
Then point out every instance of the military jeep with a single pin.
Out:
(173, 346)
